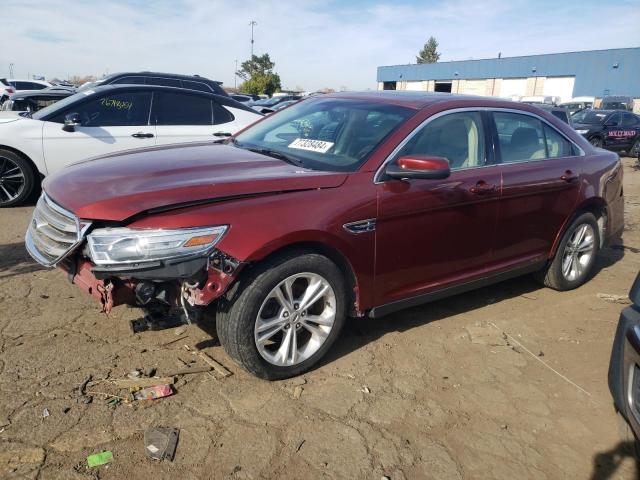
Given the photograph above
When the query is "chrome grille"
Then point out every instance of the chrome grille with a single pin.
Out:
(53, 232)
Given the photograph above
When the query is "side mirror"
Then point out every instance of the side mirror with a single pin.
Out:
(419, 167)
(71, 121)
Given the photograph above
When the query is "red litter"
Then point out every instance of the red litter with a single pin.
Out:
(153, 393)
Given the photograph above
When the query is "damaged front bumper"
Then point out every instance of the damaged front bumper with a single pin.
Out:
(196, 281)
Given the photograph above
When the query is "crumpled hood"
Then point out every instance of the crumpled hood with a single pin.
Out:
(116, 187)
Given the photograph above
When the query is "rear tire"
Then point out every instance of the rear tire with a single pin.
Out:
(635, 150)
(575, 257)
(258, 340)
(17, 179)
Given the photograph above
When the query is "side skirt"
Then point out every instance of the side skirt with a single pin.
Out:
(388, 308)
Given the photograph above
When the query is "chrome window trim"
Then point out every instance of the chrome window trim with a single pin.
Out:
(390, 157)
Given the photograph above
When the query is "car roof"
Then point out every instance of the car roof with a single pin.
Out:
(160, 74)
(420, 100)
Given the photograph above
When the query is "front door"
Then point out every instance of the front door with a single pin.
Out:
(432, 234)
(109, 123)
(541, 173)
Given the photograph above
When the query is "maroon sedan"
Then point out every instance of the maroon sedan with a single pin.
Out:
(345, 204)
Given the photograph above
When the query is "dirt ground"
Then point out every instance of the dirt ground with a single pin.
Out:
(431, 392)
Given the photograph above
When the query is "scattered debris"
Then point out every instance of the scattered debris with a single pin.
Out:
(98, 459)
(160, 443)
(365, 389)
(385, 477)
(504, 426)
(150, 372)
(81, 390)
(190, 370)
(541, 353)
(44, 296)
(134, 374)
(299, 381)
(113, 402)
(529, 297)
(299, 446)
(66, 410)
(45, 413)
(165, 344)
(180, 330)
(297, 392)
(621, 299)
(219, 368)
(5, 422)
(143, 382)
(153, 393)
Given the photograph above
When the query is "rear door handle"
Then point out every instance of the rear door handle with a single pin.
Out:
(142, 135)
(482, 188)
(569, 177)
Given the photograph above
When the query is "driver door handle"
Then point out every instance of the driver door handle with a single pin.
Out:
(569, 177)
(482, 188)
(221, 134)
(142, 135)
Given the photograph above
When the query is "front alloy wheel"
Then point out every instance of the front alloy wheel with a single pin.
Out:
(283, 315)
(635, 150)
(295, 319)
(17, 179)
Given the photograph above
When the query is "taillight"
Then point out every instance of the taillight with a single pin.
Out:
(10, 90)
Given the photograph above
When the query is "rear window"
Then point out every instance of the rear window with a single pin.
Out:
(181, 109)
(593, 118)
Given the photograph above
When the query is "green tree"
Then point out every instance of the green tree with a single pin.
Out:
(258, 75)
(429, 53)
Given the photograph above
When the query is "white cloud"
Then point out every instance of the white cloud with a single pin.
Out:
(314, 44)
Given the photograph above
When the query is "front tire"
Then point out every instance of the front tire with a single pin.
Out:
(575, 257)
(282, 317)
(635, 150)
(17, 179)
(596, 142)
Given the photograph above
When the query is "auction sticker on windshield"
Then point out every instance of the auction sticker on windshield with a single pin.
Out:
(318, 146)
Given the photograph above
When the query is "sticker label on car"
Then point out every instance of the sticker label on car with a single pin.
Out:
(622, 133)
(318, 146)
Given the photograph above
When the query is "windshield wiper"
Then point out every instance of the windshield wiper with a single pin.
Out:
(271, 153)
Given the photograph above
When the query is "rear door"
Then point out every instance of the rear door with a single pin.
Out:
(182, 117)
(541, 172)
(628, 132)
(432, 234)
(109, 123)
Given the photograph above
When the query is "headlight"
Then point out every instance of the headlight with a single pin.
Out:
(582, 132)
(128, 245)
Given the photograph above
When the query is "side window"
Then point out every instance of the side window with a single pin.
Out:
(520, 137)
(458, 137)
(557, 145)
(629, 120)
(122, 109)
(614, 120)
(221, 115)
(181, 109)
(201, 87)
(165, 82)
(129, 81)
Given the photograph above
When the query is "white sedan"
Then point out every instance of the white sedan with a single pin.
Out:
(104, 120)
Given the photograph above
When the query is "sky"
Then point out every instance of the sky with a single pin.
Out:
(315, 44)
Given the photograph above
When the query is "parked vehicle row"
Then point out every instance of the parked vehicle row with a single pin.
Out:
(611, 129)
(343, 204)
(108, 119)
(33, 101)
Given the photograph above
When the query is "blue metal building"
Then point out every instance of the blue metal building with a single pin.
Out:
(594, 73)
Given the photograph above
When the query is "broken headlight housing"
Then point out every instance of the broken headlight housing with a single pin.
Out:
(113, 246)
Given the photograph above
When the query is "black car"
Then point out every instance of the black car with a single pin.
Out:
(559, 112)
(616, 130)
(624, 367)
(34, 101)
(191, 82)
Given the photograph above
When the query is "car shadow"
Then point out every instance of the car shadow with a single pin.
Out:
(605, 464)
(14, 260)
(358, 332)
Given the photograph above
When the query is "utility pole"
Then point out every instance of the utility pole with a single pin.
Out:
(235, 76)
(252, 23)
(11, 70)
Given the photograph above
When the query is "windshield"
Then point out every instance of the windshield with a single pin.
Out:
(40, 114)
(325, 134)
(589, 116)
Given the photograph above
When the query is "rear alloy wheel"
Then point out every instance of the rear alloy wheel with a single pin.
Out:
(284, 315)
(576, 255)
(17, 179)
(596, 142)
